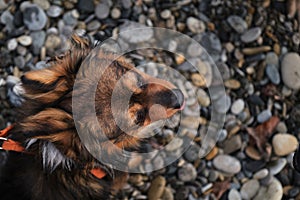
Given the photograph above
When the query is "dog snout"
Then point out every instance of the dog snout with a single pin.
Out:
(177, 99)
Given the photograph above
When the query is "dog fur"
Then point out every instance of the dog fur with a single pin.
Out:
(56, 165)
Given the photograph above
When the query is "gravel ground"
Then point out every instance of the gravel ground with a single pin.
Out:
(255, 46)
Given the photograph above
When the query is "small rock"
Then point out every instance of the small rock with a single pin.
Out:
(223, 104)
(8, 19)
(33, 16)
(165, 14)
(272, 59)
(44, 4)
(195, 25)
(234, 195)
(142, 35)
(273, 74)
(237, 23)
(290, 70)
(54, 11)
(174, 144)
(227, 164)
(203, 98)
(232, 84)
(212, 154)
(157, 188)
(115, 13)
(261, 174)
(264, 116)
(168, 195)
(237, 106)
(102, 10)
(192, 153)
(249, 189)
(187, 173)
(276, 166)
(25, 40)
(93, 25)
(251, 35)
(86, 6)
(52, 42)
(3, 4)
(12, 44)
(284, 144)
(273, 191)
(193, 50)
(198, 80)
(70, 18)
(38, 40)
(232, 144)
(281, 127)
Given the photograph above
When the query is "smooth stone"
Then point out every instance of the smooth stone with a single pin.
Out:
(165, 14)
(198, 80)
(195, 25)
(191, 122)
(263, 173)
(232, 144)
(44, 4)
(70, 18)
(234, 195)
(157, 188)
(232, 84)
(273, 74)
(115, 13)
(52, 42)
(168, 194)
(223, 104)
(290, 70)
(193, 50)
(203, 97)
(33, 16)
(38, 40)
(237, 106)
(174, 144)
(272, 191)
(142, 35)
(249, 189)
(281, 127)
(12, 44)
(211, 43)
(284, 144)
(276, 166)
(264, 116)
(3, 4)
(93, 25)
(25, 40)
(102, 10)
(54, 11)
(192, 153)
(222, 135)
(86, 6)
(187, 173)
(227, 164)
(8, 19)
(251, 35)
(19, 61)
(272, 59)
(237, 23)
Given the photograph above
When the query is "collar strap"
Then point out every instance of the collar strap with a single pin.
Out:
(11, 145)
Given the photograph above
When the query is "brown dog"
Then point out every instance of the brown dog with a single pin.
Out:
(54, 163)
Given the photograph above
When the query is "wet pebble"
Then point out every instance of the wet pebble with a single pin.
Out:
(264, 116)
(290, 70)
(249, 189)
(54, 11)
(251, 35)
(195, 25)
(227, 164)
(284, 144)
(33, 16)
(237, 106)
(237, 23)
(187, 173)
(276, 166)
(12, 44)
(273, 74)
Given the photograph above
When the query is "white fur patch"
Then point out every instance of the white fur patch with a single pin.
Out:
(52, 158)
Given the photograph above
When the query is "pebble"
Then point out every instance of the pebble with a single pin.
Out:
(234, 195)
(251, 35)
(264, 116)
(249, 189)
(86, 6)
(198, 80)
(223, 104)
(273, 74)
(281, 127)
(276, 166)
(193, 50)
(237, 106)
(102, 10)
(195, 25)
(187, 173)
(52, 42)
(232, 144)
(227, 164)
(25, 40)
(261, 174)
(192, 153)
(12, 44)
(290, 70)
(44, 4)
(273, 191)
(144, 34)
(54, 11)
(116, 13)
(174, 144)
(93, 25)
(284, 144)
(203, 97)
(232, 84)
(237, 23)
(3, 4)
(157, 188)
(165, 14)
(38, 40)
(272, 59)
(33, 16)
(168, 194)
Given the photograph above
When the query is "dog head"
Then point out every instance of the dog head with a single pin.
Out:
(125, 101)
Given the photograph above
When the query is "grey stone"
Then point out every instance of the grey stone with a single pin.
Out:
(273, 191)
(290, 70)
(102, 10)
(234, 195)
(38, 40)
(237, 106)
(276, 166)
(33, 16)
(54, 11)
(249, 189)
(187, 173)
(141, 35)
(237, 23)
(223, 104)
(264, 116)
(195, 25)
(227, 164)
(251, 35)
(273, 74)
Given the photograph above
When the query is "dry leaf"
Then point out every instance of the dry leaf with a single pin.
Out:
(219, 188)
(261, 134)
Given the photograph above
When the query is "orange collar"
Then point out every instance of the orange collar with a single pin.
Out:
(11, 145)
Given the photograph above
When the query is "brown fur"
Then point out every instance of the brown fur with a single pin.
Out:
(47, 118)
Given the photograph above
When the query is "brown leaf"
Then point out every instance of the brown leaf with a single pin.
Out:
(219, 188)
(261, 134)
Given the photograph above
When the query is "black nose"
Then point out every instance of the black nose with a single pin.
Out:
(177, 99)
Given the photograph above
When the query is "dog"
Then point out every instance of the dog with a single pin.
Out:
(51, 161)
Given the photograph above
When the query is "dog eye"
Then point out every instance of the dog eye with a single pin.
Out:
(140, 116)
